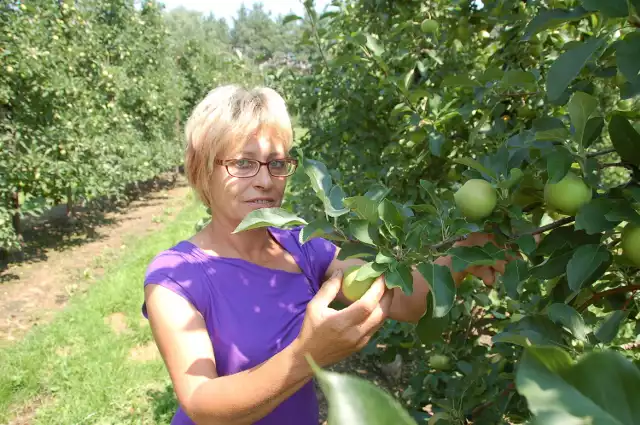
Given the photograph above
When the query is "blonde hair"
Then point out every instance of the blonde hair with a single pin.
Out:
(223, 121)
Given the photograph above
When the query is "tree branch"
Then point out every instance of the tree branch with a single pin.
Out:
(600, 153)
(614, 164)
(550, 226)
(599, 295)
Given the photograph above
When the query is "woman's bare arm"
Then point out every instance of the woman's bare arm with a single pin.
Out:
(238, 399)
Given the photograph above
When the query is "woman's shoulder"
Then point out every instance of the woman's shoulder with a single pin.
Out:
(176, 268)
(317, 251)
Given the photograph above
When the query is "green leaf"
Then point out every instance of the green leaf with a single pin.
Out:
(515, 176)
(355, 401)
(369, 270)
(585, 118)
(263, 217)
(363, 231)
(584, 263)
(430, 189)
(527, 244)
(558, 164)
(319, 228)
(466, 256)
(511, 338)
(290, 18)
(319, 177)
(470, 162)
(568, 317)
(548, 19)
(610, 8)
(601, 388)
(622, 210)
(459, 81)
(550, 129)
(568, 65)
(609, 328)
(384, 259)
(628, 56)
(356, 250)
(374, 45)
(400, 277)
(334, 203)
(443, 290)
(592, 216)
(625, 139)
(364, 207)
(513, 78)
(390, 214)
(429, 329)
(436, 141)
(515, 273)
(553, 266)
(562, 237)
(377, 192)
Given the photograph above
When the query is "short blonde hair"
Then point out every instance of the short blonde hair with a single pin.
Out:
(223, 121)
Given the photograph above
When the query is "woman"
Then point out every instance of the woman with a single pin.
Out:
(234, 315)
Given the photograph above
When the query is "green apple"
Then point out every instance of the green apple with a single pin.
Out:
(354, 289)
(439, 362)
(630, 243)
(568, 195)
(429, 26)
(476, 199)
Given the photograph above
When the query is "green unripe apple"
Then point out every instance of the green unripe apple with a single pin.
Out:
(429, 26)
(568, 195)
(630, 243)
(476, 199)
(440, 362)
(354, 289)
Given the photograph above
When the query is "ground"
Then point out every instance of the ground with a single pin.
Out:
(35, 288)
(67, 256)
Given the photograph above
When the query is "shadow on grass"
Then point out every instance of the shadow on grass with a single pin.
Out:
(164, 404)
(56, 231)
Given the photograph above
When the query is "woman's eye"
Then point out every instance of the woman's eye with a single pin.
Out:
(243, 163)
(278, 164)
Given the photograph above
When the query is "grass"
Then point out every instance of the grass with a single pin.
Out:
(77, 368)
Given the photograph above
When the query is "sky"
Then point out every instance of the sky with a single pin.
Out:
(228, 8)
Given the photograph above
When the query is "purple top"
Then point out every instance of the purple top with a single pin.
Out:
(251, 312)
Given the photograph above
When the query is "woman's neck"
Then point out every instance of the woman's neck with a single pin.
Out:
(249, 244)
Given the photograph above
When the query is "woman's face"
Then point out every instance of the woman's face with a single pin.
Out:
(234, 197)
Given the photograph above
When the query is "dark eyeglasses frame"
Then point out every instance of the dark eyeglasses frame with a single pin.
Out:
(226, 162)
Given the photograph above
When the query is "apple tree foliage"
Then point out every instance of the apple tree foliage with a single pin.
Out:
(405, 101)
(92, 97)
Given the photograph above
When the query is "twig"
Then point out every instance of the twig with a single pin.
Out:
(599, 295)
(448, 242)
(477, 410)
(614, 164)
(626, 303)
(550, 226)
(600, 153)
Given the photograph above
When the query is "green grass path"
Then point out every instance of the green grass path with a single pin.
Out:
(77, 368)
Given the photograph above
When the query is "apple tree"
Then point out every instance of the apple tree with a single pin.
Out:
(430, 121)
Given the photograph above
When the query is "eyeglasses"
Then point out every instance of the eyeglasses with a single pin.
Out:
(244, 167)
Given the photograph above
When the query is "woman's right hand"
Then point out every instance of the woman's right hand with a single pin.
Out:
(330, 335)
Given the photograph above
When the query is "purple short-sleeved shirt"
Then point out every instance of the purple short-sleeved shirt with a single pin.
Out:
(251, 312)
